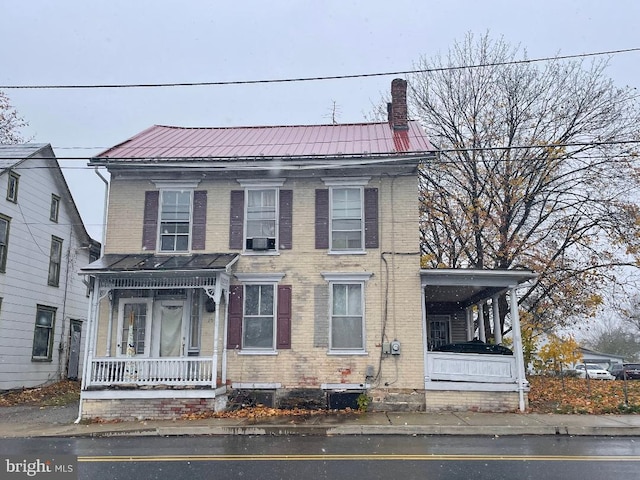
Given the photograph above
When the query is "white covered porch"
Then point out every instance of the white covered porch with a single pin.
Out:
(156, 323)
(456, 303)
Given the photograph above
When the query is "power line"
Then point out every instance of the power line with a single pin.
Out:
(318, 78)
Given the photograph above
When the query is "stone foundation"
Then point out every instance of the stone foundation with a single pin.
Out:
(400, 400)
(472, 401)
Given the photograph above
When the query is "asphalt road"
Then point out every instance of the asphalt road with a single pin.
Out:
(319, 457)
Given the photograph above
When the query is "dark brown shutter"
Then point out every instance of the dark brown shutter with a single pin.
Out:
(236, 223)
(286, 217)
(199, 229)
(371, 218)
(284, 316)
(150, 220)
(322, 218)
(234, 322)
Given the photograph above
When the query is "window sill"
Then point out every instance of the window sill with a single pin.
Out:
(41, 359)
(258, 253)
(347, 252)
(348, 352)
(257, 352)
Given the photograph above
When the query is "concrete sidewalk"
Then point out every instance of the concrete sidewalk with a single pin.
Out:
(53, 421)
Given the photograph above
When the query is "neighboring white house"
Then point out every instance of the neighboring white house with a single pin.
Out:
(43, 244)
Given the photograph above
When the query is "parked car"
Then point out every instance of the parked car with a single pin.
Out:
(630, 370)
(593, 371)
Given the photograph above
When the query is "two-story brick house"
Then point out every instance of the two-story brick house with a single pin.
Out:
(278, 262)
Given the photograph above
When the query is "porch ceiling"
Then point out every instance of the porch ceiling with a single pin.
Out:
(136, 264)
(467, 286)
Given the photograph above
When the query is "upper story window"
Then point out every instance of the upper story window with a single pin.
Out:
(175, 217)
(12, 187)
(55, 208)
(261, 217)
(175, 221)
(55, 262)
(346, 216)
(347, 223)
(4, 241)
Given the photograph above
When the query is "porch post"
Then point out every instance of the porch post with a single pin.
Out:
(216, 326)
(482, 335)
(425, 342)
(469, 312)
(109, 329)
(223, 373)
(517, 347)
(497, 330)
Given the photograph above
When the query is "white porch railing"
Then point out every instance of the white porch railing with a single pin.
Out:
(186, 371)
(470, 367)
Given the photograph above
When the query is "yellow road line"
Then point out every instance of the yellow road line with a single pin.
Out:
(320, 457)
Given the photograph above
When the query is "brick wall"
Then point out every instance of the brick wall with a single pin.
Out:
(148, 408)
(438, 401)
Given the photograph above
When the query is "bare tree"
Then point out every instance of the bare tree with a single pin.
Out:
(10, 122)
(613, 338)
(537, 169)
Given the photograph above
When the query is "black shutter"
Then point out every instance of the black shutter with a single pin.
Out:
(150, 220)
(371, 218)
(286, 219)
(199, 228)
(322, 219)
(236, 222)
(234, 322)
(284, 316)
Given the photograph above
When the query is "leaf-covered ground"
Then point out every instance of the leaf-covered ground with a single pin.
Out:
(578, 395)
(547, 395)
(56, 394)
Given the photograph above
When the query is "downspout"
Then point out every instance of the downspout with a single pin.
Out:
(88, 348)
(104, 209)
(64, 304)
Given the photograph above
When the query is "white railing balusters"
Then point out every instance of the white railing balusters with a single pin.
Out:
(151, 371)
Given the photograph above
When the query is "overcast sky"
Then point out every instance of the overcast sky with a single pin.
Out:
(82, 42)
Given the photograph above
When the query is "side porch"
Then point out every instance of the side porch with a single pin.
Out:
(465, 367)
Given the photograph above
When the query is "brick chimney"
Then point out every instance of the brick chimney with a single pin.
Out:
(397, 108)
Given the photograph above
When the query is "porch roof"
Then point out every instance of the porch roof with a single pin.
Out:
(466, 286)
(149, 263)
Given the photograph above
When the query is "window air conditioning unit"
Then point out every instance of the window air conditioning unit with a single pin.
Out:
(260, 243)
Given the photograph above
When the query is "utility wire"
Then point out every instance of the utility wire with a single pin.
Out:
(318, 78)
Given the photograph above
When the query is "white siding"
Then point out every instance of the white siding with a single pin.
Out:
(24, 285)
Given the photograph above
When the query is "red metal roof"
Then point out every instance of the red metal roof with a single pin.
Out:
(358, 139)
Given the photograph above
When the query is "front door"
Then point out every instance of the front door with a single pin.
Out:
(169, 335)
(75, 337)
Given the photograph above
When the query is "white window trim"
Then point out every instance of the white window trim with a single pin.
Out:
(255, 350)
(346, 181)
(259, 277)
(262, 184)
(147, 333)
(159, 232)
(361, 250)
(353, 278)
(176, 184)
